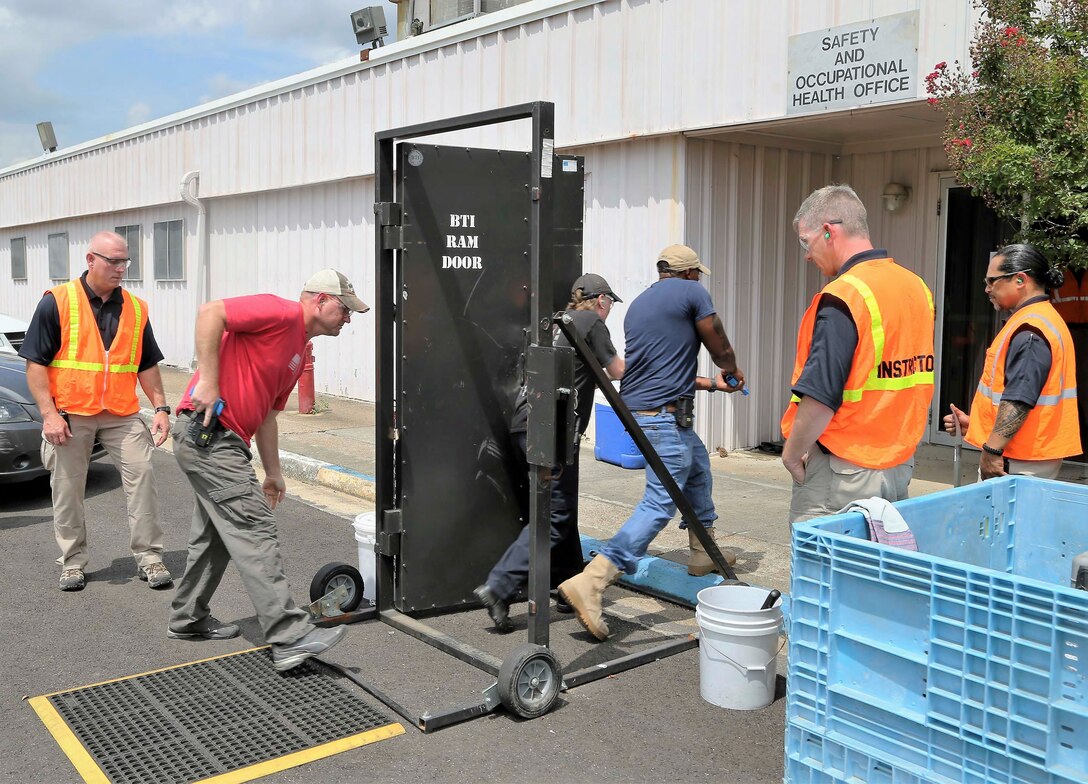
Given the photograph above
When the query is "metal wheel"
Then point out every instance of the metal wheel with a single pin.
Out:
(334, 575)
(529, 681)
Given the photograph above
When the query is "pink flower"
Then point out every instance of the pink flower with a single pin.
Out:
(941, 65)
(1011, 31)
(931, 101)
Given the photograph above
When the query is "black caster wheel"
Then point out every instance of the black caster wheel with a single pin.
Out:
(334, 575)
(529, 681)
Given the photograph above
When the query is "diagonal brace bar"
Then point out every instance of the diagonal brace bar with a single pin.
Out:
(652, 458)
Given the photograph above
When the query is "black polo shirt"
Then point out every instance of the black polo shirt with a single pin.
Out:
(43, 339)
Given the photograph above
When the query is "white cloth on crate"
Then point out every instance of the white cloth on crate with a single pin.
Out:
(886, 525)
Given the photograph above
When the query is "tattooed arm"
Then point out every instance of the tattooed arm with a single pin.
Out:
(1010, 416)
(712, 336)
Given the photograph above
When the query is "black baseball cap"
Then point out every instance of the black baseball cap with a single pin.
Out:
(593, 286)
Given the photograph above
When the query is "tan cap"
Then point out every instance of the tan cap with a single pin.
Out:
(681, 257)
(329, 281)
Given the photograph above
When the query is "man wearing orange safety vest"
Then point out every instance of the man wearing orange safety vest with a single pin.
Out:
(87, 345)
(863, 378)
(1024, 414)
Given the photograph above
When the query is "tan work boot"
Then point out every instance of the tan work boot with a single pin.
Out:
(583, 592)
(699, 563)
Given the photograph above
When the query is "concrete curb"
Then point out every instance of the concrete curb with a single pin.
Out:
(308, 469)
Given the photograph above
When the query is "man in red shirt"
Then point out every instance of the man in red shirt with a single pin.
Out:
(249, 351)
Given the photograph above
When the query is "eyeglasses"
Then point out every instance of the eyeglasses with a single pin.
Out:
(805, 243)
(120, 262)
(610, 298)
(991, 281)
(345, 310)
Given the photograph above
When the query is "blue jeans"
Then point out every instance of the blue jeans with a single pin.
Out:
(685, 458)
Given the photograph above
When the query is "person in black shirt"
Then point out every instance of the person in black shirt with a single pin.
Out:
(591, 302)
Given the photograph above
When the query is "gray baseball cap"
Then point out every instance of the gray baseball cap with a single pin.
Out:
(593, 286)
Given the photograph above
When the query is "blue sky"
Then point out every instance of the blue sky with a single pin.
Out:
(99, 66)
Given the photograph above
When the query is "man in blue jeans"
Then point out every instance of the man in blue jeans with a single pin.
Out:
(664, 328)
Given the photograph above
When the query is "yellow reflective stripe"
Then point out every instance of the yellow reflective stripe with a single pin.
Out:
(71, 364)
(877, 328)
(906, 382)
(94, 367)
(135, 331)
(73, 319)
(795, 399)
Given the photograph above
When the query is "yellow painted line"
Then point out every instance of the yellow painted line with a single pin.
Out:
(306, 755)
(151, 672)
(79, 757)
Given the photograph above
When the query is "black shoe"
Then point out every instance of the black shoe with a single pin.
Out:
(496, 608)
(209, 629)
(562, 607)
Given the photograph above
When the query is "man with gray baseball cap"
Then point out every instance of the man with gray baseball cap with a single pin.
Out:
(664, 328)
(250, 352)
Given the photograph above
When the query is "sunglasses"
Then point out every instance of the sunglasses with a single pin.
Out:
(113, 262)
(991, 281)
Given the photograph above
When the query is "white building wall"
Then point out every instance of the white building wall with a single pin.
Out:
(741, 200)
(615, 69)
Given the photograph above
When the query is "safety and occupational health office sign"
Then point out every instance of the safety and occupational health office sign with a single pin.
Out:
(854, 65)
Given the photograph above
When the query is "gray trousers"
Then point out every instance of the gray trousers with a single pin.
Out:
(232, 520)
(831, 483)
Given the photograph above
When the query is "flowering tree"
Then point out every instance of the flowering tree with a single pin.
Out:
(1016, 127)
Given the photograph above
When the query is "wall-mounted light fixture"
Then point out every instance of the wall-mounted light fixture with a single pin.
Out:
(895, 195)
(49, 139)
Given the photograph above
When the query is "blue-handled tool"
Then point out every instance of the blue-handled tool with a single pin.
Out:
(731, 380)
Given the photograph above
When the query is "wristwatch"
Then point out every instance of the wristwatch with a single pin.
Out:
(162, 409)
(713, 384)
(990, 450)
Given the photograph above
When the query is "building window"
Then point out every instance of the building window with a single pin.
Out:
(169, 261)
(59, 267)
(18, 258)
(131, 234)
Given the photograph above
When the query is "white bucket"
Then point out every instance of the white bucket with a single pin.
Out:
(365, 526)
(738, 646)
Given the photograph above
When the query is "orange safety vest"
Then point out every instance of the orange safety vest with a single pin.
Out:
(885, 405)
(85, 378)
(1071, 300)
(1051, 430)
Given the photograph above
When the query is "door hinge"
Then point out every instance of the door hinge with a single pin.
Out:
(938, 208)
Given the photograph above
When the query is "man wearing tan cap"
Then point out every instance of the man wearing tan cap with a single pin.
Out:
(663, 331)
(250, 352)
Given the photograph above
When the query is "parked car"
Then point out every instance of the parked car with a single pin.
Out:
(21, 425)
(12, 332)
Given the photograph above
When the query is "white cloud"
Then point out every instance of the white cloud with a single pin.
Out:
(139, 113)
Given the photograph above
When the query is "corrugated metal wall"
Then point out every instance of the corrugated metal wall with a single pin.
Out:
(741, 200)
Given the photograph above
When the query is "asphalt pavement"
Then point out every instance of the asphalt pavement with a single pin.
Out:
(645, 724)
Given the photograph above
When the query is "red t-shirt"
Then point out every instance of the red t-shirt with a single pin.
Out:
(260, 360)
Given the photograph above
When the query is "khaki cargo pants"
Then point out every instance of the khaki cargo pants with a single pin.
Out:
(831, 483)
(128, 442)
(232, 521)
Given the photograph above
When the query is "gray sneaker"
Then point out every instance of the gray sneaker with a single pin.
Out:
(156, 575)
(292, 654)
(208, 629)
(72, 579)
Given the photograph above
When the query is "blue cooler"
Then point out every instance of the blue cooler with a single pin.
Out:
(613, 444)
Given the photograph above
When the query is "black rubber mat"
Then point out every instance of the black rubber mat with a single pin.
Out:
(202, 720)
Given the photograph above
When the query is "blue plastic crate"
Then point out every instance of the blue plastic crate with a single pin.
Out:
(613, 444)
(968, 660)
